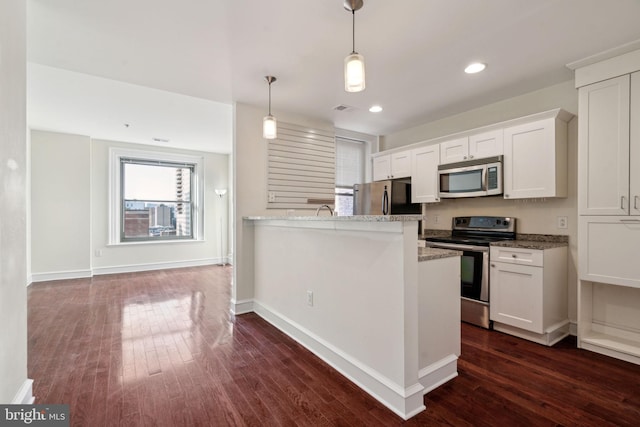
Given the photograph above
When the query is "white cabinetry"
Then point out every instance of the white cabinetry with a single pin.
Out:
(609, 206)
(394, 165)
(424, 174)
(535, 158)
(529, 293)
(476, 146)
(609, 162)
(609, 250)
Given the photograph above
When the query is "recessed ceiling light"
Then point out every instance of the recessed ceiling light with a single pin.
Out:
(375, 109)
(475, 67)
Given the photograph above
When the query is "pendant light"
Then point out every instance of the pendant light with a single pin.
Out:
(269, 125)
(354, 63)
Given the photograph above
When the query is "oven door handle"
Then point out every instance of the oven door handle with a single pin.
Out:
(457, 246)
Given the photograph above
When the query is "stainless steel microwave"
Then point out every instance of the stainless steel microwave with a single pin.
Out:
(474, 178)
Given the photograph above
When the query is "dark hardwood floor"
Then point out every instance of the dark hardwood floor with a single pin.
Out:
(160, 348)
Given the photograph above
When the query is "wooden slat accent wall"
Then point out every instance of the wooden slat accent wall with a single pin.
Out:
(301, 167)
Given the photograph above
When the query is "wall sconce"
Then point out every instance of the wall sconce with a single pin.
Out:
(269, 125)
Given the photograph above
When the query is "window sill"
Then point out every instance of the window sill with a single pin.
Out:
(156, 242)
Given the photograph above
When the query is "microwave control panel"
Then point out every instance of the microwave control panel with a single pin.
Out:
(492, 178)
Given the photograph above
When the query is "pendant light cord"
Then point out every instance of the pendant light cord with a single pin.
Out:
(269, 98)
(353, 16)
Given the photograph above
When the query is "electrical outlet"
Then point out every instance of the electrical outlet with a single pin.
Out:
(310, 298)
(436, 219)
(272, 196)
(562, 222)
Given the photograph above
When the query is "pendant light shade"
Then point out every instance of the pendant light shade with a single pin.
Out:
(354, 79)
(354, 73)
(269, 124)
(269, 127)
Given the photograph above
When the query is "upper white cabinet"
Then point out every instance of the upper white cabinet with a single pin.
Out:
(609, 156)
(475, 146)
(535, 158)
(424, 174)
(390, 166)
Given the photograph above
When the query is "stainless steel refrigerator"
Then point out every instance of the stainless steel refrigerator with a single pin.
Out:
(384, 198)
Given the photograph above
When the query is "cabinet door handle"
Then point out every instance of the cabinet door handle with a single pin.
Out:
(622, 202)
(493, 265)
(635, 202)
(630, 220)
(514, 256)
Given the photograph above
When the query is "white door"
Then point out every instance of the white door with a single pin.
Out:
(530, 160)
(401, 164)
(424, 174)
(603, 158)
(381, 168)
(634, 147)
(608, 249)
(516, 296)
(456, 150)
(487, 144)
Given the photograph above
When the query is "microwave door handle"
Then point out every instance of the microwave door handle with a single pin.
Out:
(485, 183)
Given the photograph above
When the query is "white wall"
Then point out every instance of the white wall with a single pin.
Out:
(83, 164)
(534, 216)
(60, 204)
(563, 95)
(13, 167)
(159, 254)
(250, 187)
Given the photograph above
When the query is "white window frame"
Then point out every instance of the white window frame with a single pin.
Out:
(115, 199)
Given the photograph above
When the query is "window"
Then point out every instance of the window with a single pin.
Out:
(155, 197)
(156, 200)
(301, 168)
(350, 162)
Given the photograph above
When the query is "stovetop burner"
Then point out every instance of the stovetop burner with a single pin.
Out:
(478, 230)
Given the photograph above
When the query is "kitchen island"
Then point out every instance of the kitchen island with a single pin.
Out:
(357, 292)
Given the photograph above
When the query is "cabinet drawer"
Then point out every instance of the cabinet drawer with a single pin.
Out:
(520, 256)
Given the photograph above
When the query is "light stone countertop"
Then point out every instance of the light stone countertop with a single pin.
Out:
(356, 218)
(427, 254)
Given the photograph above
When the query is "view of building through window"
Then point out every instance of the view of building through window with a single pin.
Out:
(350, 164)
(156, 200)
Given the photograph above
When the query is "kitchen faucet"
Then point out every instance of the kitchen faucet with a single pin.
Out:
(324, 206)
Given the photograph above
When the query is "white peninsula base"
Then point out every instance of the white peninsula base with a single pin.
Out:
(354, 293)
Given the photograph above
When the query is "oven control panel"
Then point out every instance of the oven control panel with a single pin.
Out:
(485, 223)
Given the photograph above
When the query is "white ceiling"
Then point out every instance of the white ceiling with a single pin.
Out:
(171, 69)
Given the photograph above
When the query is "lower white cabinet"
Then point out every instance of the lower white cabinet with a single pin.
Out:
(528, 293)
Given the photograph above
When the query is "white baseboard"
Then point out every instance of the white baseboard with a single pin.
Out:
(133, 268)
(573, 329)
(241, 306)
(438, 373)
(551, 336)
(405, 402)
(60, 275)
(24, 396)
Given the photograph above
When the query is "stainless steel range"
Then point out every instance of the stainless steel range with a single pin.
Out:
(472, 235)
